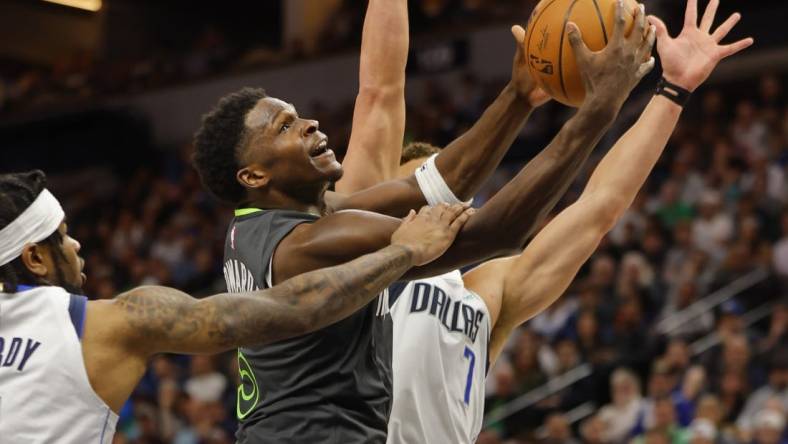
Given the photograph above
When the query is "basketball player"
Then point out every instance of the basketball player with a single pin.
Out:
(449, 329)
(256, 153)
(67, 365)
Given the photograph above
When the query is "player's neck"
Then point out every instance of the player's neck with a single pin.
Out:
(306, 201)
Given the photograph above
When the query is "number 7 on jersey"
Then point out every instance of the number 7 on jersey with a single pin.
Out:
(472, 358)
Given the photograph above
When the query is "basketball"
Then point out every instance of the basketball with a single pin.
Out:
(550, 55)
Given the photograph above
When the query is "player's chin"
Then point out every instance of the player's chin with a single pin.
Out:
(331, 171)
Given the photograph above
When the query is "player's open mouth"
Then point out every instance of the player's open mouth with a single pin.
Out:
(320, 149)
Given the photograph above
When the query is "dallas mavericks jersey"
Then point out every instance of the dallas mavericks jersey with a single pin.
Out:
(45, 395)
(332, 386)
(441, 334)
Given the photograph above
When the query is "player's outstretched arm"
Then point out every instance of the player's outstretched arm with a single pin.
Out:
(504, 223)
(158, 319)
(468, 161)
(517, 289)
(379, 116)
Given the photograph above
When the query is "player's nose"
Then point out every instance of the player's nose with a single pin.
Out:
(311, 127)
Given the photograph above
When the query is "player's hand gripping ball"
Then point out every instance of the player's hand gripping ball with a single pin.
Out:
(550, 55)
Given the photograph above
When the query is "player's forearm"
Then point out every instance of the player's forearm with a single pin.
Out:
(313, 300)
(379, 115)
(167, 320)
(468, 161)
(625, 168)
(522, 204)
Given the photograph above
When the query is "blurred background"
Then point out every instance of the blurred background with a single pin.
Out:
(674, 332)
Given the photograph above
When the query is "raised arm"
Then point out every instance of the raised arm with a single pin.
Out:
(518, 288)
(467, 162)
(504, 223)
(379, 116)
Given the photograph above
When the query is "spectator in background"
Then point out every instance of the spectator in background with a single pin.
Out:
(206, 384)
(592, 343)
(686, 295)
(732, 389)
(527, 368)
(668, 207)
(749, 132)
(557, 430)
(733, 357)
(554, 319)
(774, 343)
(713, 228)
(621, 415)
(702, 431)
(592, 431)
(776, 390)
(780, 252)
(769, 426)
(664, 422)
(678, 255)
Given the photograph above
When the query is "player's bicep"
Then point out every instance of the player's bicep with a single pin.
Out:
(158, 319)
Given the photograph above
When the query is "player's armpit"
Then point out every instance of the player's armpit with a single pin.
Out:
(487, 280)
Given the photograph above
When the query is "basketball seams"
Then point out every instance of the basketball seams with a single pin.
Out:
(601, 21)
(561, 49)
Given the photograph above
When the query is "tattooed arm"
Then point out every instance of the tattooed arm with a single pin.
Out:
(159, 319)
(167, 320)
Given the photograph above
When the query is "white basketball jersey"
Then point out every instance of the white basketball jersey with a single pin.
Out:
(439, 363)
(45, 395)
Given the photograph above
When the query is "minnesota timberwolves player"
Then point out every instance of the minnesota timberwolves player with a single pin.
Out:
(68, 365)
(256, 153)
(448, 329)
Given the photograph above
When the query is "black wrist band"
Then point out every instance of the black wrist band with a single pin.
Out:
(675, 93)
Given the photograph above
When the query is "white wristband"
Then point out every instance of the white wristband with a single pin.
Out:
(433, 186)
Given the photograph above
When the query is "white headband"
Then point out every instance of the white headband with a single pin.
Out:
(35, 224)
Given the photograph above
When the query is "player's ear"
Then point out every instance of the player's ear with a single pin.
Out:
(253, 176)
(34, 258)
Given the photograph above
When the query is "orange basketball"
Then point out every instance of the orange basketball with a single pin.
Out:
(550, 55)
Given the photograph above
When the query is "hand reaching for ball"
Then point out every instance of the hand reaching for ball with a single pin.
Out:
(610, 75)
(524, 84)
(689, 59)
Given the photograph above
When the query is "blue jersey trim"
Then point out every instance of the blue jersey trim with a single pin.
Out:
(77, 308)
(104, 428)
(395, 290)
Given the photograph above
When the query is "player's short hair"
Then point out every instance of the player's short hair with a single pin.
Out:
(219, 141)
(17, 192)
(417, 150)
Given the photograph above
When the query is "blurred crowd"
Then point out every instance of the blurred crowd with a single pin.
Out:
(82, 76)
(713, 212)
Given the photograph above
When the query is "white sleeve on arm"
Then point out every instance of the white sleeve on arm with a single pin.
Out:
(433, 186)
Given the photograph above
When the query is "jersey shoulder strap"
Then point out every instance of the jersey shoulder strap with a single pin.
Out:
(77, 310)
